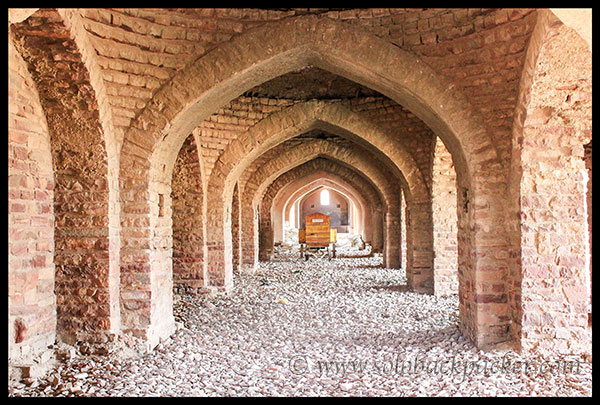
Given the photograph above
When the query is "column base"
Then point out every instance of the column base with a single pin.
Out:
(248, 268)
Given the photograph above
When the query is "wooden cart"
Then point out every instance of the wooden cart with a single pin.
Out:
(317, 237)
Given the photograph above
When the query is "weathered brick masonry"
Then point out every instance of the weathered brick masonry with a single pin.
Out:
(552, 278)
(85, 209)
(31, 272)
(161, 149)
(188, 230)
(443, 195)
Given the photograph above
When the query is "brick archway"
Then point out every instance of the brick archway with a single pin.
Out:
(291, 43)
(308, 183)
(289, 158)
(342, 191)
(333, 190)
(84, 158)
(273, 49)
(283, 190)
(550, 270)
(266, 228)
(335, 119)
(308, 176)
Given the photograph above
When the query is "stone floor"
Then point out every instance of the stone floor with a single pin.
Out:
(344, 327)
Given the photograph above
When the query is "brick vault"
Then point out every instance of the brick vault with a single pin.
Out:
(161, 150)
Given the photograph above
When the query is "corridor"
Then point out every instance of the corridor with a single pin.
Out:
(165, 164)
(346, 327)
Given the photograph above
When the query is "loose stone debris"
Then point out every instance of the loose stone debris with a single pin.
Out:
(348, 328)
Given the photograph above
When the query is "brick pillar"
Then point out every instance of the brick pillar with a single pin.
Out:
(277, 225)
(297, 214)
(162, 322)
(554, 229)
(236, 236)
(555, 264)
(420, 247)
(377, 235)
(588, 165)
(445, 244)
(86, 206)
(265, 232)
(367, 225)
(409, 244)
(218, 244)
(404, 234)
(555, 285)
(249, 238)
(31, 272)
(392, 241)
(188, 240)
(483, 260)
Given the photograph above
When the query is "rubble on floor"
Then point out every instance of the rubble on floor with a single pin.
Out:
(345, 327)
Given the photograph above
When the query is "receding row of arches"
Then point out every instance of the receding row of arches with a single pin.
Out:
(137, 217)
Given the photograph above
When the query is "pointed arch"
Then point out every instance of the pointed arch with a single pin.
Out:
(84, 156)
(315, 171)
(273, 49)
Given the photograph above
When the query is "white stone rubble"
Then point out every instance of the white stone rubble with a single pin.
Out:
(344, 327)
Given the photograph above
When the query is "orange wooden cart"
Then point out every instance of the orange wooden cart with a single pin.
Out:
(317, 237)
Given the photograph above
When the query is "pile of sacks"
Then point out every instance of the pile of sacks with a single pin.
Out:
(350, 240)
(290, 236)
(343, 239)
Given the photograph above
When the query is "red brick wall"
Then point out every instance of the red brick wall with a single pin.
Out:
(188, 238)
(445, 243)
(32, 303)
(84, 163)
(236, 235)
(554, 288)
(482, 53)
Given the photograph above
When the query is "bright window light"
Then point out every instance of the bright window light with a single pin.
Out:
(325, 197)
